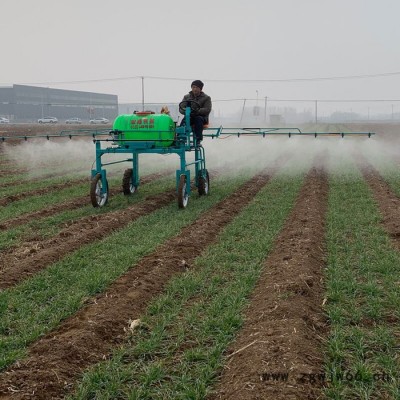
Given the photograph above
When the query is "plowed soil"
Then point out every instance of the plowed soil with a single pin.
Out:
(6, 172)
(18, 264)
(279, 347)
(56, 360)
(285, 322)
(15, 197)
(38, 179)
(386, 199)
(68, 205)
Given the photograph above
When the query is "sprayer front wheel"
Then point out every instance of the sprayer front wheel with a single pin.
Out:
(204, 185)
(183, 195)
(98, 193)
(127, 182)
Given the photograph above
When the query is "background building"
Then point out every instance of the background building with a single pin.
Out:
(21, 103)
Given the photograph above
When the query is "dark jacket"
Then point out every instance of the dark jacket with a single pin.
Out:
(203, 99)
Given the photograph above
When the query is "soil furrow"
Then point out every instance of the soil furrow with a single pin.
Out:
(57, 360)
(48, 189)
(6, 163)
(387, 201)
(15, 168)
(18, 264)
(39, 178)
(13, 171)
(284, 321)
(72, 204)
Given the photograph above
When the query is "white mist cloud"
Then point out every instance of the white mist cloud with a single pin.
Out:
(229, 154)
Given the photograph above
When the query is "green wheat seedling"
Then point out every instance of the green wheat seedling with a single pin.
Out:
(40, 303)
(179, 351)
(362, 280)
(50, 226)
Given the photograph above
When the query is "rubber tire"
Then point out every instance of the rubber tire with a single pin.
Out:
(204, 185)
(127, 187)
(183, 197)
(96, 180)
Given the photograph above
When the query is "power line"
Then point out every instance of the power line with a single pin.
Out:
(308, 79)
(81, 81)
(328, 78)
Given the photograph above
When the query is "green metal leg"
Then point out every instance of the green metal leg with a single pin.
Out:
(102, 172)
(135, 167)
(197, 166)
(200, 164)
(183, 171)
(98, 158)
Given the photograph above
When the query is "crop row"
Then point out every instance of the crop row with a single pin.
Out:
(200, 276)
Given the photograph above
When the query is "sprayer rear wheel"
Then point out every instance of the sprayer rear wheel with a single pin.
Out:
(127, 182)
(183, 195)
(98, 194)
(204, 185)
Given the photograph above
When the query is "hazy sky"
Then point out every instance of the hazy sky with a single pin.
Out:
(222, 42)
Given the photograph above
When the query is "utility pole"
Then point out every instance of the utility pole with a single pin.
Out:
(42, 104)
(265, 108)
(316, 112)
(142, 93)
(244, 104)
(257, 110)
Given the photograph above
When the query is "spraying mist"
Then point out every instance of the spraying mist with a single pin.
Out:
(227, 154)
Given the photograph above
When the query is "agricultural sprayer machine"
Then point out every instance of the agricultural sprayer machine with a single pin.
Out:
(149, 133)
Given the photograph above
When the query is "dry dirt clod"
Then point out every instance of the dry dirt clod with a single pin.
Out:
(134, 324)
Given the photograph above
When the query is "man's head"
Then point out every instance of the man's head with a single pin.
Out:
(197, 86)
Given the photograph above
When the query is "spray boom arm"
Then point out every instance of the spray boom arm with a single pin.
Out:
(217, 132)
(208, 132)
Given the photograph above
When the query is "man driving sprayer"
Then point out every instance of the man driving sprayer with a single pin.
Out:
(198, 117)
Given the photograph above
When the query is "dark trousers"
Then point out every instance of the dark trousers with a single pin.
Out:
(197, 123)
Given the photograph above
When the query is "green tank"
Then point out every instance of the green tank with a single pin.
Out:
(145, 126)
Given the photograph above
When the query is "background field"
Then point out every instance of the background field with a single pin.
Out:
(282, 283)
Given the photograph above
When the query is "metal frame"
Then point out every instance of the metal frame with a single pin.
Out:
(184, 142)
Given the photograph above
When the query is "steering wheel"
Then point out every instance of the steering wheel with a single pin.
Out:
(194, 105)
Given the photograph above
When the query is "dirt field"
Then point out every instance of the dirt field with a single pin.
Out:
(73, 278)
